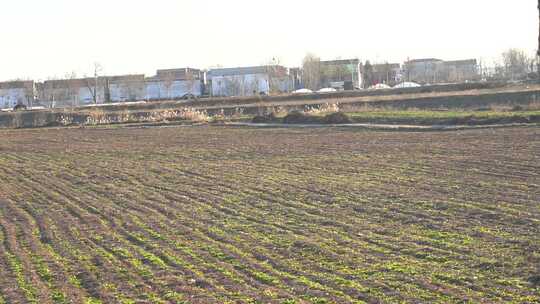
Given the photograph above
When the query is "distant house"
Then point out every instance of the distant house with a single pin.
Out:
(340, 74)
(433, 70)
(248, 81)
(174, 83)
(16, 92)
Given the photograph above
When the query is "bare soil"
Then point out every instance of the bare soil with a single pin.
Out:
(240, 215)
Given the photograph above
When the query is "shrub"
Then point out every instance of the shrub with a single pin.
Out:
(264, 119)
(297, 117)
(260, 119)
(535, 280)
(337, 118)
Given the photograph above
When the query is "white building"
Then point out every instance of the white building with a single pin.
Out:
(16, 92)
(126, 88)
(249, 81)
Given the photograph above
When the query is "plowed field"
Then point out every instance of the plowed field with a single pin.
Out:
(239, 215)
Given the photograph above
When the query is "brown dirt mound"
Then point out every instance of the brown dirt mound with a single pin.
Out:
(265, 119)
(298, 117)
(337, 118)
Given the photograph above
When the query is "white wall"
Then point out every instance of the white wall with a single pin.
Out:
(240, 85)
(85, 96)
(123, 92)
(175, 89)
(11, 97)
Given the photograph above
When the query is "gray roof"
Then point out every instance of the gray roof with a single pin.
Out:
(18, 84)
(341, 62)
(424, 60)
(461, 62)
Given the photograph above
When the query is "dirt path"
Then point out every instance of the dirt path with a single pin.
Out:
(386, 127)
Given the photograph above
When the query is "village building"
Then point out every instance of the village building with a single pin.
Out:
(16, 92)
(249, 81)
(174, 84)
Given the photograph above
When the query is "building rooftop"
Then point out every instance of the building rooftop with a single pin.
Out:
(382, 66)
(340, 62)
(462, 62)
(178, 74)
(246, 70)
(424, 60)
(18, 84)
(125, 78)
(69, 83)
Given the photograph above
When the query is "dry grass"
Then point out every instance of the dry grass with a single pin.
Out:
(99, 117)
(330, 107)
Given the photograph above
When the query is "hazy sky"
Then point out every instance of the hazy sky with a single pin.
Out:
(44, 38)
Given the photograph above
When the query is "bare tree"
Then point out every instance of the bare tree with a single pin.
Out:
(277, 76)
(47, 92)
(311, 72)
(92, 84)
(387, 74)
(168, 81)
(367, 75)
(538, 50)
(72, 87)
(192, 78)
(516, 64)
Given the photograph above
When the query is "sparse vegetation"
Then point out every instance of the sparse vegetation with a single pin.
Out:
(231, 215)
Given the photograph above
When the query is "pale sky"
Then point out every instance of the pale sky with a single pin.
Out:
(50, 38)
